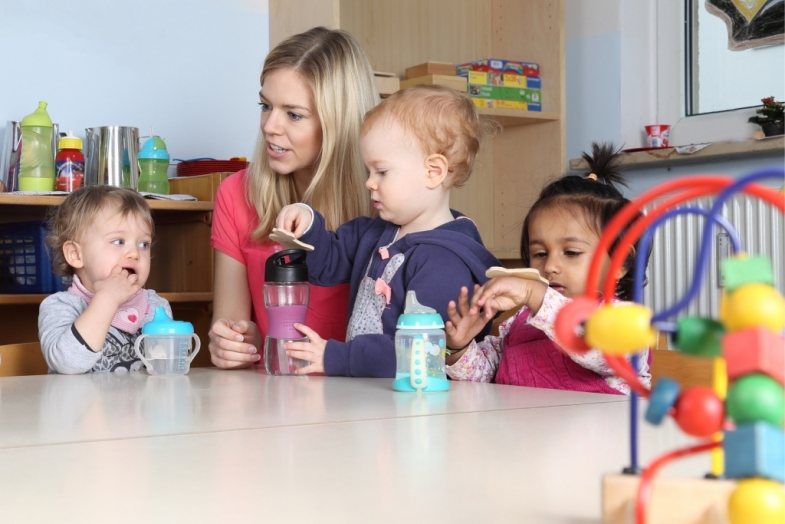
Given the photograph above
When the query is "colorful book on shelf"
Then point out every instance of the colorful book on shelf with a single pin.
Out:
(496, 65)
(490, 103)
(515, 94)
(502, 79)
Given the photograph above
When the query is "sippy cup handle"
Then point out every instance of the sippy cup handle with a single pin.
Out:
(418, 367)
(197, 345)
(139, 353)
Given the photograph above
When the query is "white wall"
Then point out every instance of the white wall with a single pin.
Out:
(188, 69)
(593, 73)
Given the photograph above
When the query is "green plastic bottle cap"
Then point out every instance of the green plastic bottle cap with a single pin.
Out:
(38, 118)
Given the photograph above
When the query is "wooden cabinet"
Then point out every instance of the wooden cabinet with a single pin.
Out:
(529, 148)
(182, 264)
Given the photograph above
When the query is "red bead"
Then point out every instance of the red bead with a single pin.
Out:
(569, 319)
(699, 412)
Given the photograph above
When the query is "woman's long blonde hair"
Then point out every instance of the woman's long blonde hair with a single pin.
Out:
(341, 80)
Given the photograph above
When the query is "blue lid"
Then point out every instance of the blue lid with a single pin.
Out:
(161, 324)
(417, 316)
(154, 148)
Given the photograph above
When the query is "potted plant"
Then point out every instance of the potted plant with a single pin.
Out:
(772, 117)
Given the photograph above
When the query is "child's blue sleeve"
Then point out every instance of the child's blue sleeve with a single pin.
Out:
(332, 259)
(363, 356)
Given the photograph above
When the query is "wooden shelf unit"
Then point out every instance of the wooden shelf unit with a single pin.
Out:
(531, 146)
(182, 265)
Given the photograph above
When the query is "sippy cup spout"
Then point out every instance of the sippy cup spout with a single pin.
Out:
(413, 307)
(160, 315)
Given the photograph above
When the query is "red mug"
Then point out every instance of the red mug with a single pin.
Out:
(657, 136)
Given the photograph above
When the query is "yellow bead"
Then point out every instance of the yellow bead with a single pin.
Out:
(757, 501)
(619, 329)
(723, 310)
(755, 305)
(720, 379)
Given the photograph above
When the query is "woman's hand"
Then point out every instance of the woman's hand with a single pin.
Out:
(294, 218)
(466, 320)
(311, 351)
(234, 344)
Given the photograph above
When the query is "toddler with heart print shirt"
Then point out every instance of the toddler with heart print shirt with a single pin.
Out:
(101, 235)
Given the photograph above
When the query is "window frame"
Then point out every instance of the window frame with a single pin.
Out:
(661, 38)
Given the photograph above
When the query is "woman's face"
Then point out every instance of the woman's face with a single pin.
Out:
(290, 125)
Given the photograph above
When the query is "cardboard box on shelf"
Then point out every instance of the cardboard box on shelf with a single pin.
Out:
(456, 82)
(505, 93)
(501, 79)
(495, 65)
(430, 68)
(386, 83)
(506, 104)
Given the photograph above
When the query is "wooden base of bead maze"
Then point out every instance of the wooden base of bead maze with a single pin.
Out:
(673, 500)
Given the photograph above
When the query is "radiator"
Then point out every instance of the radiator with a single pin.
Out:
(675, 250)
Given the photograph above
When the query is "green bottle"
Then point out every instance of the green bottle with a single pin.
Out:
(153, 164)
(36, 166)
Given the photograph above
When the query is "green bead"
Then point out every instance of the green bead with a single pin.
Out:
(740, 271)
(756, 397)
(698, 336)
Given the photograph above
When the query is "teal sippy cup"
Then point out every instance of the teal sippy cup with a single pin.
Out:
(420, 346)
(153, 163)
(167, 345)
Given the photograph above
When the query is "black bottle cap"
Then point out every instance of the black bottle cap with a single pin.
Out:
(277, 269)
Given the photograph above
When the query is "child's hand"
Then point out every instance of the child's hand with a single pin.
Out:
(466, 321)
(312, 351)
(119, 286)
(505, 293)
(294, 218)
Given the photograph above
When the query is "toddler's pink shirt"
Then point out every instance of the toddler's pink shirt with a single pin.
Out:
(233, 221)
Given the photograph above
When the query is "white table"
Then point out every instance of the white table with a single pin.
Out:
(240, 446)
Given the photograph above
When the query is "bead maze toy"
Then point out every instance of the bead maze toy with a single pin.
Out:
(740, 418)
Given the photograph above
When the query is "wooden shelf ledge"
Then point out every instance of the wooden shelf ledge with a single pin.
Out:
(517, 117)
(47, 201)
(715, 152)
(16, 300)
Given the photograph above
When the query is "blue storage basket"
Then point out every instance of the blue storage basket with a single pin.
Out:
(24, 262)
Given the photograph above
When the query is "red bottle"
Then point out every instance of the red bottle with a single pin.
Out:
(69, 163)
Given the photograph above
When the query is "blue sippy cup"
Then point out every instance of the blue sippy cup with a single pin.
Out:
(420, 346)
(167, 348)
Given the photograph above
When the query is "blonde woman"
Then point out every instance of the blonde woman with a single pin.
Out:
(316, 88)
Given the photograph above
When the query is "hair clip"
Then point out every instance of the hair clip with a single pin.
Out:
(592, 176)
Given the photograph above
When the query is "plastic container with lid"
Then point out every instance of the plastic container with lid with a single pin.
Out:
(420, 348)
(153, 164)
(69, 163)
(286, 295)
(36, 167)
(167, 348)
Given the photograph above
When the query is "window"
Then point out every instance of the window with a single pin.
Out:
(719, 79)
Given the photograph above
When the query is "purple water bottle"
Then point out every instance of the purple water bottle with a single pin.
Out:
(286, 295)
